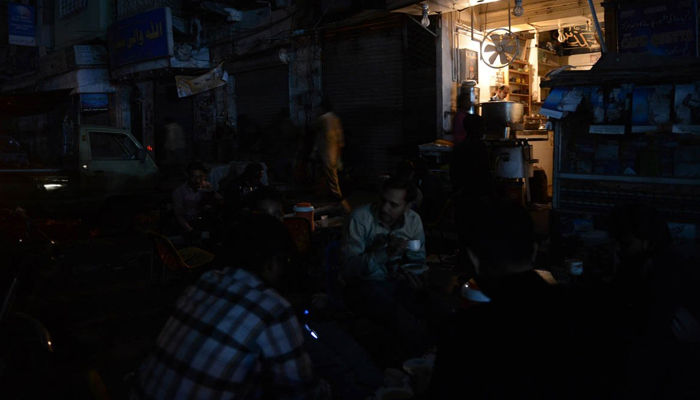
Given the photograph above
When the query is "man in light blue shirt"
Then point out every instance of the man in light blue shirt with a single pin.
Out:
(376, 235)
(373, 247)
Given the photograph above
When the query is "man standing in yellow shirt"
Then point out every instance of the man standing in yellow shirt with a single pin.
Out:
(329, 144)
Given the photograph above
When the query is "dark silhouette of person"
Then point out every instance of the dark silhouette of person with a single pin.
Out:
(490, 350)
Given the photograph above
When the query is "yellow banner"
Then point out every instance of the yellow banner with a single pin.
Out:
(189, 85)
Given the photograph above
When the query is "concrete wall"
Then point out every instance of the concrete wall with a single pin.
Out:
(582, 61)
(451, 38)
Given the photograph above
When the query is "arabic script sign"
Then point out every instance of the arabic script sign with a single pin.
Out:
(666, 29)
(579, 40)
(141, 37)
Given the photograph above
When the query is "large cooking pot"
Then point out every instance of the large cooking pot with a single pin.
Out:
(500, 114)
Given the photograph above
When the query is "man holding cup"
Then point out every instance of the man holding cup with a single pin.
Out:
(377, 240)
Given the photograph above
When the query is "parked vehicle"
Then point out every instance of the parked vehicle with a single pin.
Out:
(94, 171)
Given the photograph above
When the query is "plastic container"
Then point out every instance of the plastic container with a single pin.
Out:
(305, 210)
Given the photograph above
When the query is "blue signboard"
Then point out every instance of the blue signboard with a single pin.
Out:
(94, 102)
(22, 30)
(664, 29)
(141, 37)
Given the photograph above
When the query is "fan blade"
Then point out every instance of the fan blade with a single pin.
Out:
(504, 58)
(509, 48)
(489, 47)
(493, 58)
(495, 38)
(507, 39)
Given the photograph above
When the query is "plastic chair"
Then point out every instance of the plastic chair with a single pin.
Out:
(177, 260)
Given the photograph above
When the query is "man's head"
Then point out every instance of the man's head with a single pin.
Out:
(267, 201)
(396, 199)
(253, 173)
(196, 174)
(260, 244)
(503, 92)
(500, 239)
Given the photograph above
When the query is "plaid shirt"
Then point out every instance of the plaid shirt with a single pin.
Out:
(230, 337)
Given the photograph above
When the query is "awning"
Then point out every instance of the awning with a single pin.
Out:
(80, 81)
(434, 6)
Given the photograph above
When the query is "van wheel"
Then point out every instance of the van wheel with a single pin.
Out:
(116, 217)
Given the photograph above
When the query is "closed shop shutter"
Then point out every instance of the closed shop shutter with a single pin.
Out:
(363, 78)
(261, 95)
(381, 80)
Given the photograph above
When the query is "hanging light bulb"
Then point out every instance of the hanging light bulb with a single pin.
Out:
(561, 38)
(518, 10)
(588, 25)
(425, 21)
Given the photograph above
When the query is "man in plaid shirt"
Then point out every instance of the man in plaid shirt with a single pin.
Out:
(232, 336)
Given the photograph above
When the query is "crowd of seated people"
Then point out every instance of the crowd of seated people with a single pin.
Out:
(243, 332)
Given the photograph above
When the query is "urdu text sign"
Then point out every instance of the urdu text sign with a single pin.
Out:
(141, 37)
(22, 30)
(666, 29)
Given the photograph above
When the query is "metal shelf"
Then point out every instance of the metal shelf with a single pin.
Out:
(632, 179)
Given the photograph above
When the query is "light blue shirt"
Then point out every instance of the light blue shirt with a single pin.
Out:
(362, 230)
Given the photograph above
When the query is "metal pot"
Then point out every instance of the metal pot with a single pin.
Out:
(473, 91)
(500, 114)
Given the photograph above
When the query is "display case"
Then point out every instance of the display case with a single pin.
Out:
(629, 136)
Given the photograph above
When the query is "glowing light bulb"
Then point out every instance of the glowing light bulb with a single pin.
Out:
(425, 22)
(518, 10)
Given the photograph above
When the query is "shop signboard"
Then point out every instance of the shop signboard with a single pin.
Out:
(580, 39)
(21, 27)
(91, 102)
(90, 55)
(663, 29)
(141, 37)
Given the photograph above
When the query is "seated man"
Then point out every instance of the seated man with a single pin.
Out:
(190, 199)
(373, 248)
(510, 347)
(232, 335)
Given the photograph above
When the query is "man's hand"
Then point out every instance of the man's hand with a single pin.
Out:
(396, 246)
(378, 244)
(416, 281)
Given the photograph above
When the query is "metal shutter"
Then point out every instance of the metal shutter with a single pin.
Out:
(363, 78)
(261, 94)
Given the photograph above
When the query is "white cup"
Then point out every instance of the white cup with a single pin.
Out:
(413, 245)
(574, 266)
(324, 221)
